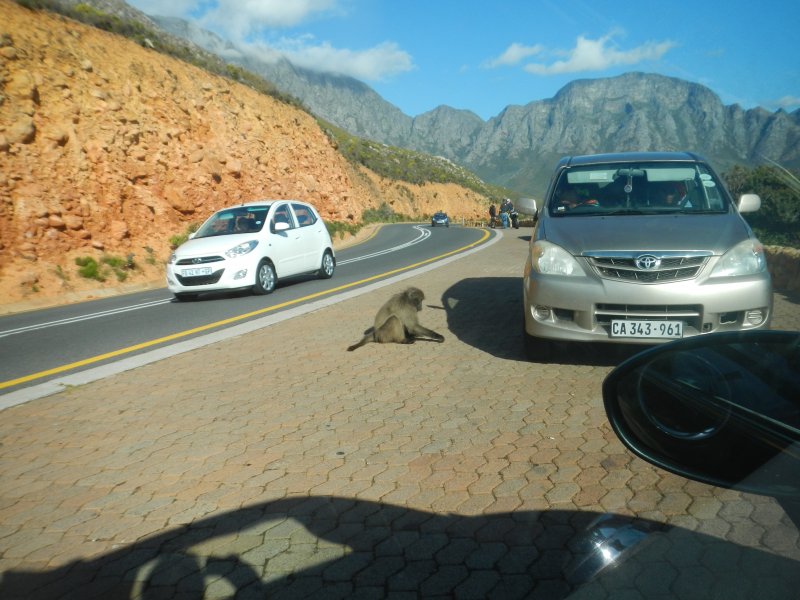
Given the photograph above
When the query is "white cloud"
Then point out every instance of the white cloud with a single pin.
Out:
(239, 19)
(597, 55)
(514, 54)
(248, 23)
(788, 102)
(242, 17)
(372, 64)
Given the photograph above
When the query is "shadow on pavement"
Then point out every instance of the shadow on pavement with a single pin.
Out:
(487, 314)
(332, 547)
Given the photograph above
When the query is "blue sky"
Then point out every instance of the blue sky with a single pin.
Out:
(483, 56)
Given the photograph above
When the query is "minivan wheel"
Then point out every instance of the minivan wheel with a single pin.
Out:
(266, 279)
(327, 267)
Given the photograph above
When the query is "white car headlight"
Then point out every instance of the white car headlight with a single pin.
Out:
(745, 258)
(241, 249)
(549, 259)
(172, 259)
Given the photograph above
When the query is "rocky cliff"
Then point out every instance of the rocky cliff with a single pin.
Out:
(109, 149)
(630, 112)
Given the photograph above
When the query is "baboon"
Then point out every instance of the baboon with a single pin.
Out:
(397, 321)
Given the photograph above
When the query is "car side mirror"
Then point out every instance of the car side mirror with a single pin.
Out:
(749, 203)
(527, 206)
(719, 408)
(279, 226)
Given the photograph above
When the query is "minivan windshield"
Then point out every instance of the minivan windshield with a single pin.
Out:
(638, 188)
(241, 219)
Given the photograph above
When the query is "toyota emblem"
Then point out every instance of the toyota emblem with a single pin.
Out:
(647, 262)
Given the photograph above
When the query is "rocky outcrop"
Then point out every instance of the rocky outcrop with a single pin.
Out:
(631, 112)
(108, 147)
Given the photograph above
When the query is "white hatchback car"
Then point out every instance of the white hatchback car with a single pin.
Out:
(252, 246)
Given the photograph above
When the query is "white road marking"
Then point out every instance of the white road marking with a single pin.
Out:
(423, 235)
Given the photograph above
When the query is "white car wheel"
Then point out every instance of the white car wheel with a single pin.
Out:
(266, 279)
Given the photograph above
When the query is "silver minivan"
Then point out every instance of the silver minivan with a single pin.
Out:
(641, 248)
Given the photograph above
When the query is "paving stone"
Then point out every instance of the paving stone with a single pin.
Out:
(474, 479)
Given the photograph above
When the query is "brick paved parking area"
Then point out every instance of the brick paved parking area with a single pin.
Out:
(278, 465)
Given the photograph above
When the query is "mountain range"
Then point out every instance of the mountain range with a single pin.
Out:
(518, 147)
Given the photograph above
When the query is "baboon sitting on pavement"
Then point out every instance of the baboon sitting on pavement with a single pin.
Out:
(397, 321)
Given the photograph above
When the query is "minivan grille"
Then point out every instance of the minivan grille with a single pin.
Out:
(690, 314)
(671, 267)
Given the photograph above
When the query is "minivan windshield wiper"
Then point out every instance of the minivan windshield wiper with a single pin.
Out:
(628, 211)
(566, 213)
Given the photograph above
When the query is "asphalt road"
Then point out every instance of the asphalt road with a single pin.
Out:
(39, 346)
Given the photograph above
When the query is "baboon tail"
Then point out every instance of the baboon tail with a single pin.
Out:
(368, 337)
(364, 340)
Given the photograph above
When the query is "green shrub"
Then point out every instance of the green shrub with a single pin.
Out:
(89, 268)
(151, 257)
(60, 273)
(120, 266)
(177, 240)
(777, 222)
(340, 228)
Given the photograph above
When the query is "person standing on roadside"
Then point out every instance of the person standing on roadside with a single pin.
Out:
(505, 212)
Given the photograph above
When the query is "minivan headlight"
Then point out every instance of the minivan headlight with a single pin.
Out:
(549, 259)
(745, 258)
(241, 249)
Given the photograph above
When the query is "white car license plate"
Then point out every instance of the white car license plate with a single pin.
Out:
(196, 272)
(647, 329)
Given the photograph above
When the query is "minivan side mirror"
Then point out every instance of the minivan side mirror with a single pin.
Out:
(749, 203)
(720, 408)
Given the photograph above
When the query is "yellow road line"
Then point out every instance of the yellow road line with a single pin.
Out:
(182, 334)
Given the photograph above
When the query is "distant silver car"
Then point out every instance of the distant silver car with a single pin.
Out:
(641, 248)
(252, 246)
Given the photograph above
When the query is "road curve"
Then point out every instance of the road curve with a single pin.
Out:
(395, 253)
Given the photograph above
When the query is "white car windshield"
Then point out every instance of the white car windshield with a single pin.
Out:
(233, 221)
